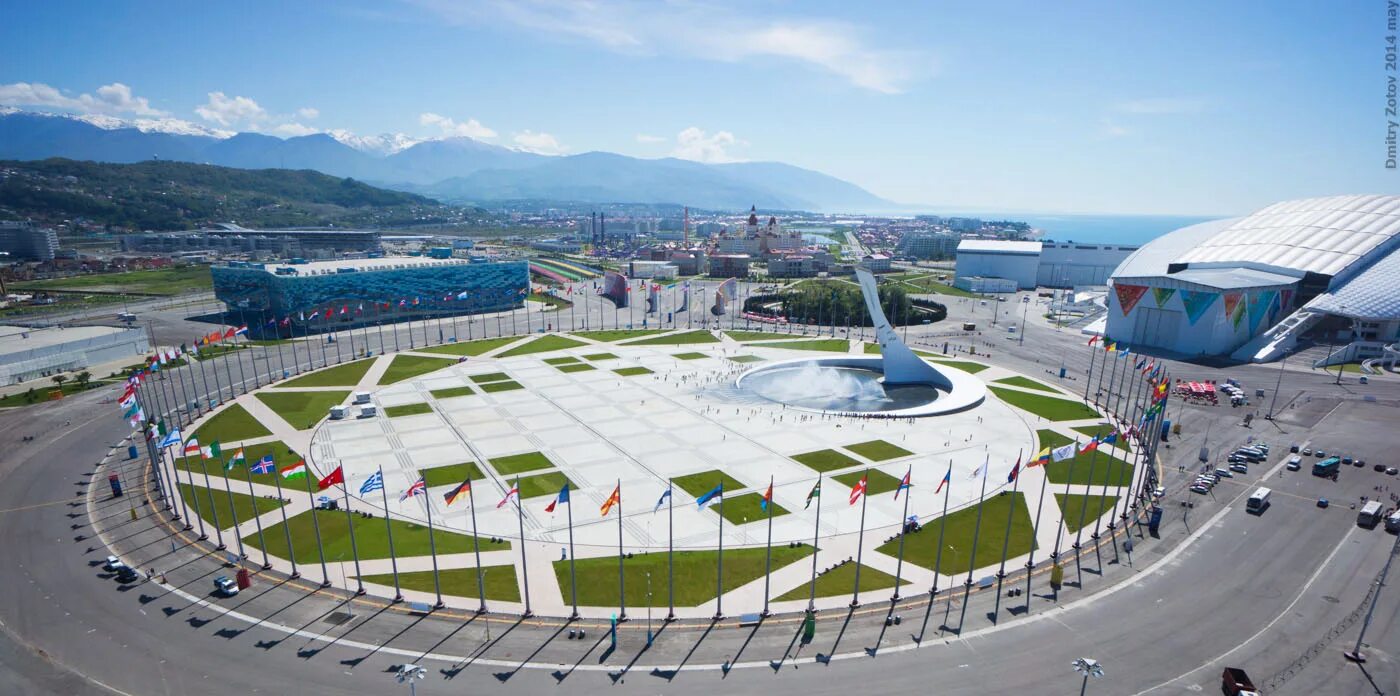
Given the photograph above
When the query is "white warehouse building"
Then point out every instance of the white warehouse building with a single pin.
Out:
(1040, 264)
(994, 258)
(1297, 274)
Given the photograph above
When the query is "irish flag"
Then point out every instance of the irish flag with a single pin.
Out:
(295, 470)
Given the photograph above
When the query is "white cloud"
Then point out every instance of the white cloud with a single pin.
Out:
(1109, 128)
(702, 31)
(471, 128)
(695, 144)
(645, 139)
(539, 143)
(1161, 105)
(115, 98)
(231, 111)
(308, 113)
(293, 129)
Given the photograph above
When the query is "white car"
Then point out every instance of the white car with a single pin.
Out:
(1295, 463)
(225, 586)
(112, 564)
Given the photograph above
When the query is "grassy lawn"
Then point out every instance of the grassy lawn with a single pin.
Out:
(618, 335)
(963, 365)
(690, 356)
(457, 582)
(757, 335)
(517, 463)
(878, 450)
(694, 577)
(1106, 467)
(745, 508)
(543, 344)
(927, 284)
(543, 484)
(551, 300)
(451, 392)
(371, 538)
(1047, 407)
(1121, 442)
(842, 580)
(698, 336)
(409, 366)
(830, 345)
(878, 483)
(500, 387)
(471, 347)
(746, 358)
(630, 371)
(407, 410)
(561, 361)
(600, 356)
(242, 503)
(921, 547)
(347, 375)
(1026, 382)
(1090, 506)
(490, 377)
(233, 424)
(281, 456)
(162, 281)
(451, 474)
(581, 367)
(302, 409)
(703, 482)
(826, 460)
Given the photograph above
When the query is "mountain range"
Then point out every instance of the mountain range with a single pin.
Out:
(456, 170)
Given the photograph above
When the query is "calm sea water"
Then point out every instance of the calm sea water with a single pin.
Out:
(1103, 229)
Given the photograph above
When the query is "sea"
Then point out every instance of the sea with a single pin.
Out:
(1133, 230)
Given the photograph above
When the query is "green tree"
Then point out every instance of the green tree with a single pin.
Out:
(59, 380)
(84, 378)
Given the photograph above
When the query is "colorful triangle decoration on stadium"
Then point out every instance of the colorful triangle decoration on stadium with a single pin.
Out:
(1234, 307)
(1162, 295)
(1128, 296)
(1260, 304)
(1196, 303)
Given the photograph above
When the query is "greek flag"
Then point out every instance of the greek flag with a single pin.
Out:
(374, 483)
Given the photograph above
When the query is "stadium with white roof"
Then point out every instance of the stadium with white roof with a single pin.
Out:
(1318, 276)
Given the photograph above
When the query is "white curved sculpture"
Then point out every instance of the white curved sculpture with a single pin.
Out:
(901, 365)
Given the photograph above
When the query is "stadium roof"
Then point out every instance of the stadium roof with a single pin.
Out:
(1371, 295)
(999, 246)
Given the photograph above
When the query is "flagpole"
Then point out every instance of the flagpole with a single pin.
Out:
(316, 525)
(394, 326)
(335, 333)
(218, 386)
(194, 494)
(213, 506)
(573, 584)
(1089, 377)
(768, 557)
(903, 527)
(942, 527)
(1006, 540)
(200, 399)
(977, 529)
(321, 338)
(621, 583)
(1035, 532)
(524, 566)
(262, 543)
(432, 548)
(476, 548)
(350, 524)
(233, 510)
(670, 552)
(816, 529)
(242, 376)
(860, 538)
(286, 529)
(281, 362)
(389, 529)
(719, 565)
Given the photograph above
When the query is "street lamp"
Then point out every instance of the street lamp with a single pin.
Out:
(1277, 386)
(1089, 668)
(411, 674)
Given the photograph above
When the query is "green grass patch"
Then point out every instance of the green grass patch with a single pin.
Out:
(233, 424)
(581, 367)
(879, 481)
(226, 504)
(500, 387)
(302, 410)
(543, 344)
(458, 582)
(407, 410)
(551, 300)
(1089, 507)
(409, 366)
(746, 358)
(517, 463)
(842, 580)
(826, 460)
(927, 284)
(1026, 382)
(743, 336)
(471, 348)
(630, 371)
(561, 361)
(695, 575)
(878, 450)
(490, 377)
(282, 455)
(745, 508)
(543, 484)
(964, 365)
(690, 356)
(829, 345)
(451, 474)
(41, 394)
(1106, 468)
(600, 356)
(452, 392)
(162, 281)
(346, 375)
(371, 538)
(699, 484)
(698, 336)
(618, 335)
(1121, 442)
(1047, 407)
(921, 548)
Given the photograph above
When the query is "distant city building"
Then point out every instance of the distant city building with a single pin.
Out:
(794, 266)
(231, 239)
(28, 354)
(760, 240)
(21, 240)
(927, 245)
(689, 262)
(877, 263)
(729, 265)
(557, 246)
(979, 284)
(992, 258)
(1068, 265)
(651, 269)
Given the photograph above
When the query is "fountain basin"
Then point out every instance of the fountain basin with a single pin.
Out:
(851, 385)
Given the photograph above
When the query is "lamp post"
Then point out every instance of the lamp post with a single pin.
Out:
(1355, 654)
(1088, 667)
(411, 674)
(1277, 385)
(649, 635)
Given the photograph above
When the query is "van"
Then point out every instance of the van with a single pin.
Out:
(1392, 523)
(1258, 501)
(1370, 515)
(1295, 463)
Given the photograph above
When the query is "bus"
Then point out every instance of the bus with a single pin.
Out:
(1258, 501)
(1327, 467)
(1370, 515)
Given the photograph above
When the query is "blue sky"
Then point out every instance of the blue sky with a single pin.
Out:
(1095, 107)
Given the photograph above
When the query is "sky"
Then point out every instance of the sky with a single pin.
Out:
(1179, 108)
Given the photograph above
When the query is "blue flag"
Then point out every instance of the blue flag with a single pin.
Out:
(172, 439)
(665, 495)
(374, 483)
(264, 465)
(715, 494)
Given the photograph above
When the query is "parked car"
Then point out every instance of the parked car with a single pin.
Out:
(1358, 463)
(1295, 463)
(1198, 488)
(1224, 473)
(126, 574)
(1392, 471)
(1320, 454)
(1239, 468)
(1293, 449)
(225, 587)
(1307, 451)
(1322, 502)
(112, 564)
(1346, 460)
(1379, 467)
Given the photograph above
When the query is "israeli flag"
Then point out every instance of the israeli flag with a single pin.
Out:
(171, 439)
(374, 483)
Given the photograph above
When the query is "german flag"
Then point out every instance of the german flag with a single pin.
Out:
(464, 487)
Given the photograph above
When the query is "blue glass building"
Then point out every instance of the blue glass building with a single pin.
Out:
(277, 299)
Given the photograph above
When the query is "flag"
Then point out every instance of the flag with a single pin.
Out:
(816, 492)
(229, 333)
(1110, 439)
(286, 321)
(1015, 471)
(981, 470)
(665, 495)
(563, 497)
(337, 476)
(295, 470)
(264, 465)
(451, 496)
(1060, 454)
(512, 493)
(241, 331)
(214, 451)
(419, 487)
(612, 500)
(947, 477)
(903, 484)
(1108, 345)
(1093, 339)
(173, 438)
(715, 493)
(375, 482)
(767, 498)
(236, 460)
(191, 446)
(859, 489)
(1089, 446)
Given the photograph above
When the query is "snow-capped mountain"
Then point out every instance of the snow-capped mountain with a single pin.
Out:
(384, 144)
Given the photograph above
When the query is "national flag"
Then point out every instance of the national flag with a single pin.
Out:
(514, 492)
(173, 438)
(767, 497)
(612, 500)
(1108, 346)
(1090, 446)
(981, 470)
(1093, 339)
(1060, 454)
(236, 460)
(295, 470)
(563, 497)
(344, 309)
(264, 465)
(463, 295)
(403, 303)
(286, 321)
(314, 314)
(229, 333)
(1141, 363)
(816, 491)
(904, 483)
(375, 482)
(241, 331)
(859, 489)
(1124, 353)
(331, 479)
(419, 487)
(191, 446)
(214, 451)
(272, 321)
(716, 493)
(1015, 471)
(665, 495)
(451, 496)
